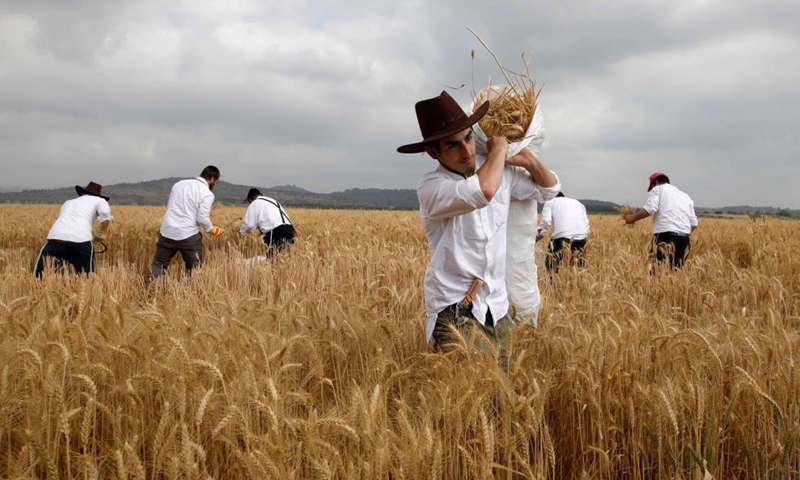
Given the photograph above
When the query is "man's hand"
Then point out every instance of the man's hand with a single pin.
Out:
(530, 162)
(99, 236)
(634, 217)
(524, 159)
(499, 144)
(216, 231)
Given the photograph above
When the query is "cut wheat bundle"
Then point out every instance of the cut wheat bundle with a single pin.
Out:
(513, 106)
(625, 210)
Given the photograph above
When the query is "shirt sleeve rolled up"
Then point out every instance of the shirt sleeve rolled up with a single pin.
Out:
(104, 211)
(442, 197)
(204, 212)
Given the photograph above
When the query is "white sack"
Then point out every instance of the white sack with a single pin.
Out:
(534, 136)
(522, 279)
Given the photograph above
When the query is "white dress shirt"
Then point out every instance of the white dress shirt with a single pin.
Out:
(264, 214)
(188, 209)
(74, 222)
(467, 235)
(672, 210)
(568, 218)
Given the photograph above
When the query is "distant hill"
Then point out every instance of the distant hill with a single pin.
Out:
(599, 206)
(156, 192)
(742, 209)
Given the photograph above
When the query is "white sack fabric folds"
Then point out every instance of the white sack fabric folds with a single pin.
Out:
(522, 279)
(534, 135)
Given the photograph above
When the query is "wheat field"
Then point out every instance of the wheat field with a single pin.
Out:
(315, 366)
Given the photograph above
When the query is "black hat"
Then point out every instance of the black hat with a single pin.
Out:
(440, 117)
(253, 192)
(93, 189)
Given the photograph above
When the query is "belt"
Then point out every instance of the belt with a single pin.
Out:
(53, 240)
(461, 312)
(677, 234)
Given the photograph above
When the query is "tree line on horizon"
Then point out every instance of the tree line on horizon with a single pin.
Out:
(156, 192)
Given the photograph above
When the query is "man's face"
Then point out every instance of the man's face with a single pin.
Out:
(212, 182)
(456, 152)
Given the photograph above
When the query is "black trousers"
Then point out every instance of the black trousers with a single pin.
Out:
(191, 249)
(670, 246)
(577, 249)
(279, 238)
(78, 254)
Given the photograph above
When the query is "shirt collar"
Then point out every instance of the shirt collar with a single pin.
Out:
(478, 162)
(202, 180)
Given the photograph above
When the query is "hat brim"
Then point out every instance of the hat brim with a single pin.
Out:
(466, 123)
(83, 191)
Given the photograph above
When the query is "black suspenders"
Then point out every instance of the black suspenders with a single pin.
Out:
(284, 217)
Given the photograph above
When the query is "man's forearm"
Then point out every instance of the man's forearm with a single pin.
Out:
(640, 214)
(490, 175)
(541, 174)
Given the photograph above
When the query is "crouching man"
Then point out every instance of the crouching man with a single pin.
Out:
(268, 217)
(70, 238)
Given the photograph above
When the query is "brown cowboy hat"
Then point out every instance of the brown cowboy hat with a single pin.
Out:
(91, 189)
(440, 117)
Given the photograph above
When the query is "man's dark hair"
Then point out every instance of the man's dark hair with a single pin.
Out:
(252, 194)
(210, 172)
(661, 179)
(559, 194)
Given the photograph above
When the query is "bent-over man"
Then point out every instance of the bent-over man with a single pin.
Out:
(673, 221)
(464, 210)
(188, 210)
(70, 238)
(267, 216)
(571, 227)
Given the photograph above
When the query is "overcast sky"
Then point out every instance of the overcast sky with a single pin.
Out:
(320, 93)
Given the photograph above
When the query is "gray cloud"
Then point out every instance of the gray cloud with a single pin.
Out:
(320, 94)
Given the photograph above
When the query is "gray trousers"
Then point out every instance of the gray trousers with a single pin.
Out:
(191, 250)
(454, 326)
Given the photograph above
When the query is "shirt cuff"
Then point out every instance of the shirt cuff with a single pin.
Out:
(549, 193)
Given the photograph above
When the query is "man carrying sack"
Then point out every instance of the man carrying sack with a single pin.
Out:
(70, 238)
(464, 210)
(188, 209)
(270, 219)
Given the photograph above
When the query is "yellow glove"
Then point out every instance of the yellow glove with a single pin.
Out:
(216, 231)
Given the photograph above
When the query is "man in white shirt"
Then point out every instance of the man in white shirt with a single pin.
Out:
(70, 237)
(673, 220)
(268, 217)
(464, 211)
(188, 210)
(570, 225)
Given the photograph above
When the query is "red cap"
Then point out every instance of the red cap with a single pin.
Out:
(653, 177)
